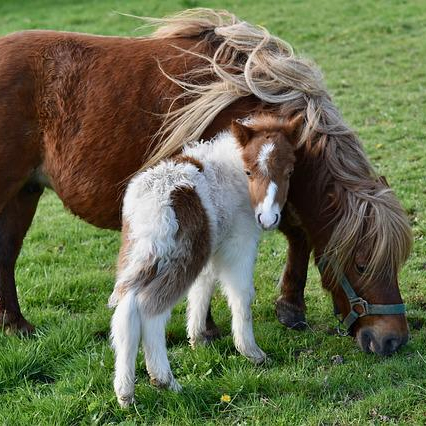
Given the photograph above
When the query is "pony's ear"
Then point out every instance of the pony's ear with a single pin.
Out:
(241, 132)
(293, 127)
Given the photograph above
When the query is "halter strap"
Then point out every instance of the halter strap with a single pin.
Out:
(363, 307)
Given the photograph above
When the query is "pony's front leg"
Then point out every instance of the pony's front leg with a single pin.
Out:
(125, 336)
(290, 305)
(199, 297)
(154, 344)
(235, 270)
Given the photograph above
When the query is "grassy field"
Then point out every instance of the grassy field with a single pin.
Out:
(373, 56)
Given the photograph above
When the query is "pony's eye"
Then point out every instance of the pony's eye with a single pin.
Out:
(290, 172)
(360, 268)
(248, 172)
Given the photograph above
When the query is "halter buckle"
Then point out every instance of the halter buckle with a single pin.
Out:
(359, 301)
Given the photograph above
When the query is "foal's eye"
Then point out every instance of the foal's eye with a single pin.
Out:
(360, 268)
(248, 172)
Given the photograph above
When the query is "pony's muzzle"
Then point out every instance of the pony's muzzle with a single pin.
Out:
(383, 345)
(268, 221)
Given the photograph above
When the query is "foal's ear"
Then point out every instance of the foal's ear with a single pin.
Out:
(241, 132)
(293, 127)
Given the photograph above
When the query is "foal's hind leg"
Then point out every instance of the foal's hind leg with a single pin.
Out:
(199, 297)
(125, 336)
(290, 305)
(15, 219)
(155, 349)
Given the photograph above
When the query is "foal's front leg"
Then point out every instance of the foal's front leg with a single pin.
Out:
(235, 270)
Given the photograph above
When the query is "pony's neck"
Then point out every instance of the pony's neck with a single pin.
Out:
(309, 206)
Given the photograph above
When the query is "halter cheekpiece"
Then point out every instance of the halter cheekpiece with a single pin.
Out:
(359, 306)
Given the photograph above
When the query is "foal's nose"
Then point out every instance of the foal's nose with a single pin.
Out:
(268, 221)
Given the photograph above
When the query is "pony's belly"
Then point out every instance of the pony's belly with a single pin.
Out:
(92, 193)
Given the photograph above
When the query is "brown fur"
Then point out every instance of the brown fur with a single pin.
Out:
(188, 159)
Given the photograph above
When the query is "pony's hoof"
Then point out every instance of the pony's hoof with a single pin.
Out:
(15, 324)
(290, 315)
(125, 400)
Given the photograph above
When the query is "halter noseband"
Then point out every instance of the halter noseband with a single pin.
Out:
(362, 305)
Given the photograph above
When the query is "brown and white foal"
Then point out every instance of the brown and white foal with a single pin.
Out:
(188, 223)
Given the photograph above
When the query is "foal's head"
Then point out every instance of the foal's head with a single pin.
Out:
(267, 148)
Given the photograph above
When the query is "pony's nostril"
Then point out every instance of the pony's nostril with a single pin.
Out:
(258, 218)
(365, 341)
(277, 217)
(390, 345)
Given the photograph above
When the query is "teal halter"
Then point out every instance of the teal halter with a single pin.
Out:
(363, 306)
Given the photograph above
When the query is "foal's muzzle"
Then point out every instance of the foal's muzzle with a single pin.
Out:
(268, 221)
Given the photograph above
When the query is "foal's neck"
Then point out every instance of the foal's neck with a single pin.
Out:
(221, 152)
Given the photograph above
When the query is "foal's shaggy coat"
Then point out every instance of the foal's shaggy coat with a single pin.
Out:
(191, 219)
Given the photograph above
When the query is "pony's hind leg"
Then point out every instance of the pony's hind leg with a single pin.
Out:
(199, 297)
(125, 336)
(15, 219)
(20, 155)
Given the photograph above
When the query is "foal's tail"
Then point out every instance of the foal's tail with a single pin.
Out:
(158, 289)
(132, 278)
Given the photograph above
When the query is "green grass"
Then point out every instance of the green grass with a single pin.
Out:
(373, 56)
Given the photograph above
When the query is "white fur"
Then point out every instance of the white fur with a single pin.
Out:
(223, 190)
(199, 297)
(268, 212)
(263, 157)
(125, 335)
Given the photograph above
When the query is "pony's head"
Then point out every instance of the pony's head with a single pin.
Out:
(267, 147)
(371, 239)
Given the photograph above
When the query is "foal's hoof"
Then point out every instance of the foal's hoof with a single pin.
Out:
(172, 384)
(256, 356)
(125, 401)
(15, 324)
(211, 334)
(290, 315)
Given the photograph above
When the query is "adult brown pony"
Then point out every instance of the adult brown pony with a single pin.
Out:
(82, 113)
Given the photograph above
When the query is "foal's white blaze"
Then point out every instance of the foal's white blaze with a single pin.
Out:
(268, 212)
(263, 157)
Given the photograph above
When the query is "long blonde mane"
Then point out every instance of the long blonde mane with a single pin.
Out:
(249, 61)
